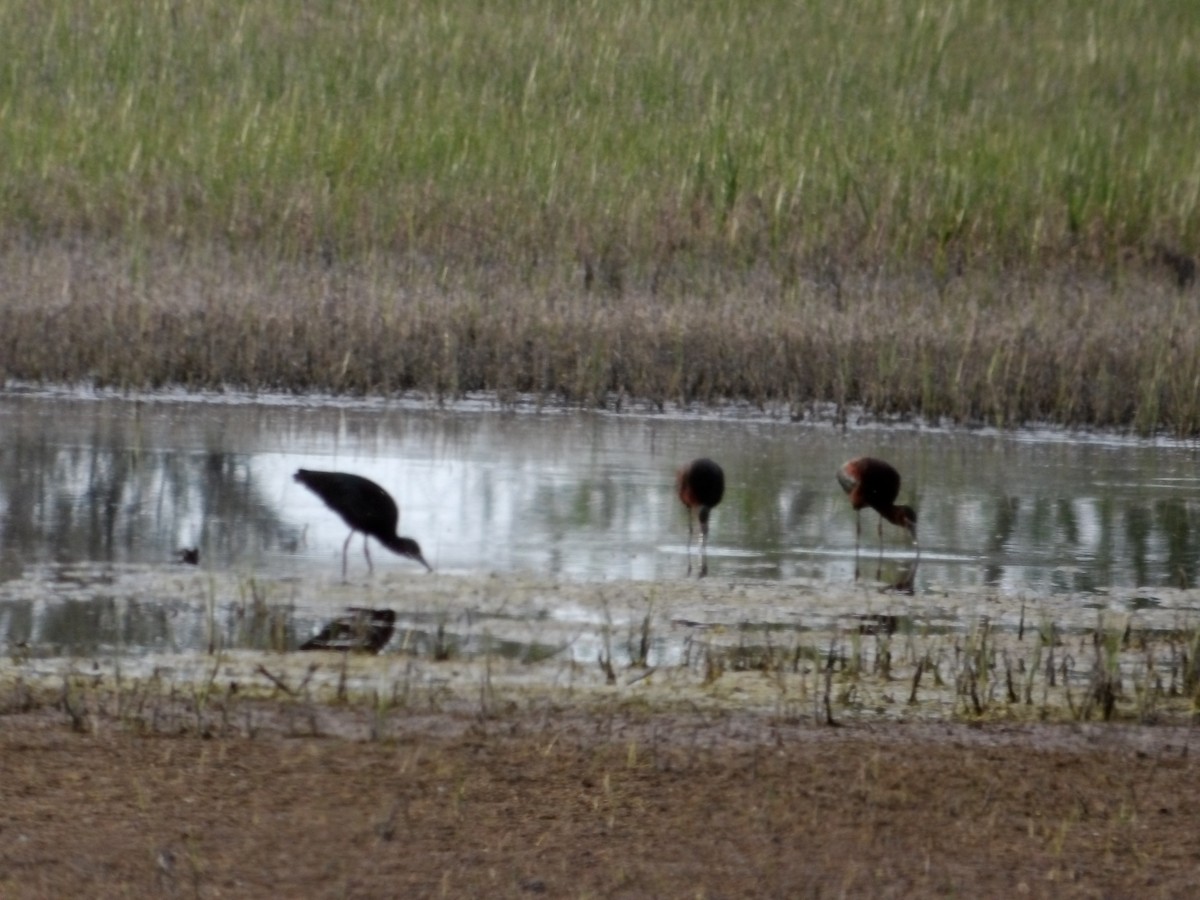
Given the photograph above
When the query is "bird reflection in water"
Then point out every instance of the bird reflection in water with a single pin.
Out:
(893, 578)
(903, 580)
(361, 630)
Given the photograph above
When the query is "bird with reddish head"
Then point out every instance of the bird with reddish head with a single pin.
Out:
(875, 483)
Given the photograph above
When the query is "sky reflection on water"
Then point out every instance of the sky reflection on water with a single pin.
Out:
(583, 496)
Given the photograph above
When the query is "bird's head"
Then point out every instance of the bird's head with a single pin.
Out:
(408, 547)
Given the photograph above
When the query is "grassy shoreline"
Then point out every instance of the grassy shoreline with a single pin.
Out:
(976, 214)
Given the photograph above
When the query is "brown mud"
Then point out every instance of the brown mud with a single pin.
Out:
(550, 800)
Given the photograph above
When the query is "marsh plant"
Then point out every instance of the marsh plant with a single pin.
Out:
(1112, 671)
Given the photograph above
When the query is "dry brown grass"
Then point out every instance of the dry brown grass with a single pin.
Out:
(1113, 354)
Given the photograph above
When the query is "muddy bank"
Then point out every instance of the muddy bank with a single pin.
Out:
(563, 803)
(667, 740)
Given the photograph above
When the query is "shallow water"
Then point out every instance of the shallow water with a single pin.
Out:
(93, 489)
(582, 496)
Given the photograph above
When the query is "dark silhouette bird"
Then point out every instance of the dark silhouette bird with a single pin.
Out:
(701, 485)
(361, 630)
(365, 507)
(189, 555)
(874, 483)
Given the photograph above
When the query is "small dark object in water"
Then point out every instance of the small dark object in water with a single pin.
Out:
(361, 630)
(700, 485)
(189, 555)
(874, 483)
(365, 507)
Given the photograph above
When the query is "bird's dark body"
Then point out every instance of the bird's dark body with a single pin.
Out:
(870, 482)
(361, 630)
(364, 506)
(701, 485)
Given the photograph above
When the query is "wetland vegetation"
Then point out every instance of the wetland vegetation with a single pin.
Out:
(974, 213)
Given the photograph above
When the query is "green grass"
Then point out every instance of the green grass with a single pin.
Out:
(648, 136)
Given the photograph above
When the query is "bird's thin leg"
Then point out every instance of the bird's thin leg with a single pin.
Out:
(689, 543)
(857, 539)
(367, 554)
(703, 550)
(346, 547)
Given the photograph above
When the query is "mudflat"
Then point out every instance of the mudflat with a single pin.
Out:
(290, 800)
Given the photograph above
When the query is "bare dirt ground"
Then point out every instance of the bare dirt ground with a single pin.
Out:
(591, 802)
